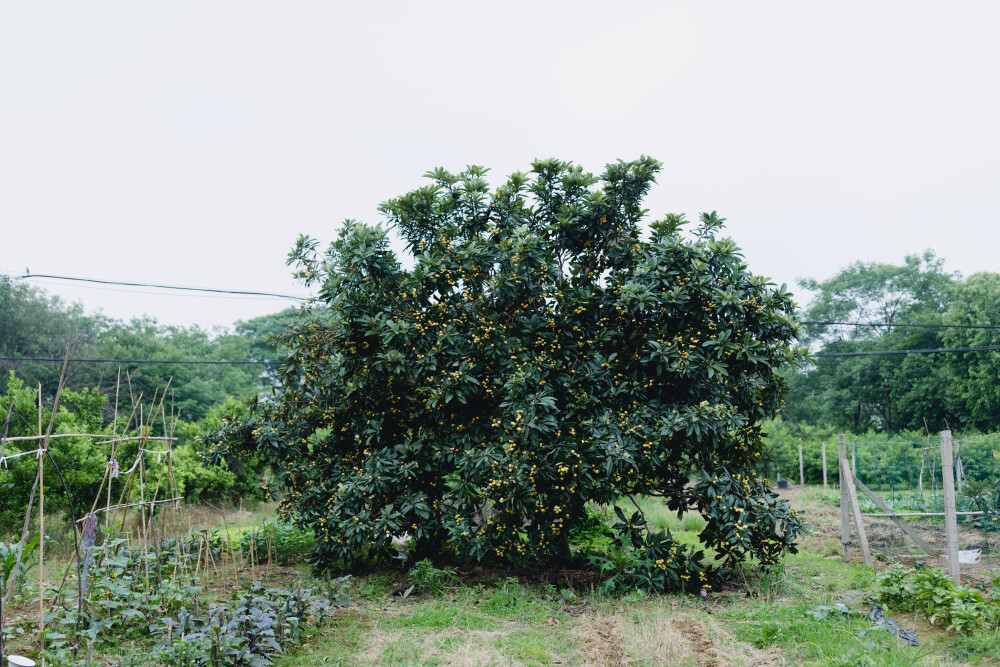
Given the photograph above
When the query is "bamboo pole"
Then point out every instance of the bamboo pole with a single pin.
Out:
(54, 436)
(178, 512)
(41, 497)
(114, 448)
(197, 566)
(41, 535)
(232, 551)
(142, 510)
(211, 556)
(41, 503)
(889, 514)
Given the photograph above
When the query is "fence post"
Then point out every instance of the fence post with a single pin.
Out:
(802, 477)
(854, 459)
(856, 510)
(845, 521)
(950, 519)
(824, 466)
(920, 481)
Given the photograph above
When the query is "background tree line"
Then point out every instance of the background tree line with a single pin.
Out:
(36, 325)
(903, 397)
(891, 393)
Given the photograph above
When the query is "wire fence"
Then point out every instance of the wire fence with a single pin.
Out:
(908, 479)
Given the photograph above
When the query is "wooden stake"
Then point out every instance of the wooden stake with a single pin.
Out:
(920, 480)
(845, 521)
(232, 552)
(211, 556)
(824, 466)
(950, 520)
(802, 476)
(197, 566)
(866, 553)
(895, 517)
(142, 509)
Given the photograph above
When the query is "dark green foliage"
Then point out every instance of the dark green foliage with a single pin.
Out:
(539, 355)
(892, 393)
(279, 540)
(82, 462)
(975, 394)
(745, 519)
(430, 580)
(935, 595)
(33, 324)
(248, 632)
(651, 561)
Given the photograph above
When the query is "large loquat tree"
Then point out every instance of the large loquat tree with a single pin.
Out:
(549, 351)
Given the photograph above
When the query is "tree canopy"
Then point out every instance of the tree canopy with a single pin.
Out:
(540, 356)
(894, 392)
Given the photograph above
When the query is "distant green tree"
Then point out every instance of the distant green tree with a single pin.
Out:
(264, 335)
(81, 463)
(35, 325)
(975, 388)
(886, 393)
(193, 388)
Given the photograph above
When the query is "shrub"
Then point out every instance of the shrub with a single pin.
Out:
(285, 541)
(935, 595)
(540, 355)
(430, 580)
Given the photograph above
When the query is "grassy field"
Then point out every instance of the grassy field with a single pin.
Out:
(763, 621)
(492, 618)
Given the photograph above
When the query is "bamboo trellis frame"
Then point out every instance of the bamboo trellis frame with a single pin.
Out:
(149, 494)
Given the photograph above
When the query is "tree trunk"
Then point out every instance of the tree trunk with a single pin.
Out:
(565, 553)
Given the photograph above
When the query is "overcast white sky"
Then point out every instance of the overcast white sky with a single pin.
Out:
(191, 142)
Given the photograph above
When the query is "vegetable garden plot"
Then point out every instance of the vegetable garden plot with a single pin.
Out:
(138, 585)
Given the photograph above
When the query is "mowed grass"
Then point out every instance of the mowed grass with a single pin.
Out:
(765, 620)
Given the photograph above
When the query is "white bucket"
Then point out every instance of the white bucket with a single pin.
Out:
(20, 661)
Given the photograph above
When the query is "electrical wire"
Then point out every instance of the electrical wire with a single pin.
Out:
(117, 290)
(246, 293)
(29, 276)
(876, 325)
(188, 362)
(931, 350)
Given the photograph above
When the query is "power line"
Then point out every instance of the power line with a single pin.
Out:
(907, 326)
(188, 362)
(932, 350)
(29, 276)
(118, 290)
